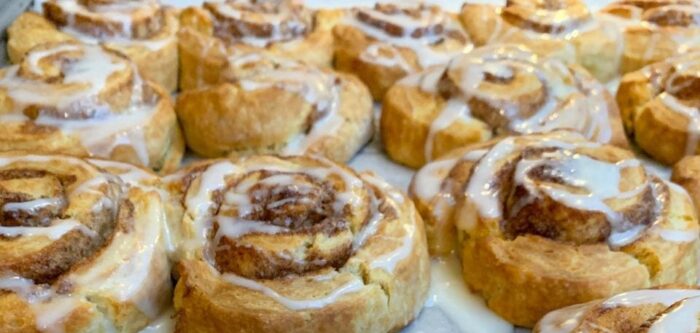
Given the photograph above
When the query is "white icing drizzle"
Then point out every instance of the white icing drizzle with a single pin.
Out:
(370, 228)
(678, 236)
(393, 193)
(116, 12)
(125, 269)
(33, 205)
(611, 26)
(353, 286)
(683, 36)
(120, 13)
(428, 182)
(49, 308)
(316, 87)
(91, 71)
(453, 111)
(50, 314)
(103, 130)
(130, 174)
(389, 260)
(682, 317)
(58, 227)
(385, 55)
(693, 115)
(285, 175)
(601, 180)
(565, 320)
(424, 47)
(199, 204)
(480, 188)
(426, 80)
(235, 228)
(129, 264)
(574, 100)
(287, 24)
(53, 232)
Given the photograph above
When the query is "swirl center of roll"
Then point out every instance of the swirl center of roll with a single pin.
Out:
(275, 223)
(498, 90)
(564, 193)
(292, 201)
(683, 81)
(76, 82)
(31, 198)
(107, 18)
(52, 218)
(546, 16)
(273, 20)
(415, 22)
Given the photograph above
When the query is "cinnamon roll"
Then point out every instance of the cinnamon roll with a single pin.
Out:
(655, 29)
(284, 28)
(494, 90)
(545, 221)
(291, 244)
(385, 43)
(565, 29)
(261, 103)
(671, 309)
(83, 249)
(686, 173)
(86, 100)
(660, 110)
(143, 30)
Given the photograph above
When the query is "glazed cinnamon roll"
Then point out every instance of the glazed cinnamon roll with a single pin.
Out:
(655, 29)
(565, 29)
(383, 44)
(261, 103)
(86, 100)
(291, 244)
(495, 90)
(143, 30)
(285, 28)
(83, 250)
(672, 309)
(546, 221)
(660, 110)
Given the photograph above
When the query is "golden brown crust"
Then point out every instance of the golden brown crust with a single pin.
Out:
(563, 29)
(383, 44)
(686, 173)
(50, 107)
(98, 261)
(659, 108)
(306, 110)
(535, 241)
(150, 43)
(378, 287)
(432, 112)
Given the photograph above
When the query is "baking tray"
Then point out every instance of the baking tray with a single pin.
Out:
(450, 307)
